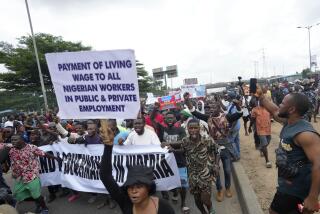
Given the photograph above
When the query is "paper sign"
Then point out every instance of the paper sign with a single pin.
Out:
(95, 84)
(167, 102)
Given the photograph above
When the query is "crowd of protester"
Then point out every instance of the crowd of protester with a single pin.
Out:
(200, 132)
(177, 129)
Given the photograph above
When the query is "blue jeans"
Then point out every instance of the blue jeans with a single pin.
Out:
(235, 140)
(226, 163)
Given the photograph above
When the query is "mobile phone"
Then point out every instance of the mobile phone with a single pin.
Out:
(253, 85)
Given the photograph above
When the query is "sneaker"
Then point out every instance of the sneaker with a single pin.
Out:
(92, 199)
(219, 196)
(45, 211)
(73, 197)
(269, 165)
(185, 210)
(103, 204)
(228, 193)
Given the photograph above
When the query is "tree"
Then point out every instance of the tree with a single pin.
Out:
(305, 72)
(21, 84)
(147, 83)
(20, 61)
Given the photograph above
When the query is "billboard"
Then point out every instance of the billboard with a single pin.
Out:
(190, 81)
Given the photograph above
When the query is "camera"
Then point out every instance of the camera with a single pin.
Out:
(240, 83)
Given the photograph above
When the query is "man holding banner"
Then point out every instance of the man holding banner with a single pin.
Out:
(172, 136)
(141, 135)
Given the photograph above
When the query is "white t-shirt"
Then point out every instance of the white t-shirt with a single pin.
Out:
(244, 107)
(147, 138)
(8, 123)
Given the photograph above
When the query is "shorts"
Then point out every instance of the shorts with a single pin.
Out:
(264, 141)
(246, 118)
(22, 191)
(285, 204)
(183, 177)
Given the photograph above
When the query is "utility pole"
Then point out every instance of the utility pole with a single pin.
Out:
(264, 71)
(309, 38)
(256, 72)
(37, 59)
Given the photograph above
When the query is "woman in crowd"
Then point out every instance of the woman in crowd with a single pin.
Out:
(135, 196)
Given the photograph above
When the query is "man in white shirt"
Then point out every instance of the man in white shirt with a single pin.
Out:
(10, 121)
(141, 135)
(246, 114)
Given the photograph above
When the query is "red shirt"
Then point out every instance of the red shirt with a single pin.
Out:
(263, 123)
(24, 162)
(158, 118)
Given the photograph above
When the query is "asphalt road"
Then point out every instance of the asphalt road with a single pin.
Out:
(81, 206)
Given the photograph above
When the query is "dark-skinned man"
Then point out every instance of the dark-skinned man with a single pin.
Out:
(232, 119)
(200, 154)
(93, 138)
(297, 158)
(172, 136)
(25, 170)
(141, 135)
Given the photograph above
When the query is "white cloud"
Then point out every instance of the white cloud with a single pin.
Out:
(209, 39)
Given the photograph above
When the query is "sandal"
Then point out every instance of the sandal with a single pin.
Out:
(185, 210)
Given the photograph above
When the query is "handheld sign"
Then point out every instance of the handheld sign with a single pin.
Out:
(95, 84)
(167, 102)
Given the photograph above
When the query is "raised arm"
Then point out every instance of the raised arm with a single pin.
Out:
(272, 108)
(310, 142)
(106, 165)
(192, 109)
(107, 179)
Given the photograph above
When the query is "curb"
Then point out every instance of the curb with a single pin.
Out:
(247, 197)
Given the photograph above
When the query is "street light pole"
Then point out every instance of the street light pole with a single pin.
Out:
(37, 58)
(309, 37)
(309, 27)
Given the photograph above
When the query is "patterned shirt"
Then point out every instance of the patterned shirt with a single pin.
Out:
(24, 162)
(200, 162)
(218, 127)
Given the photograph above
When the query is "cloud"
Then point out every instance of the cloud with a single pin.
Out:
(209, 39)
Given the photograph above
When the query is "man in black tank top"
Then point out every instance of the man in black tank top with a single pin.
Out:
(298, 156)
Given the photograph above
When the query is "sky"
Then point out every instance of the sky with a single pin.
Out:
(212, 40)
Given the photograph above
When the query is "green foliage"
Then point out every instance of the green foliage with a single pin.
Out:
(305, 72)
(21, 61)
(22, 84)
(25, 101)
(147, 83)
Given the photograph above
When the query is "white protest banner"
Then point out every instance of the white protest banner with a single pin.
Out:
(194, 90)
(95, 84)
(80, 167)
(151, 99)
